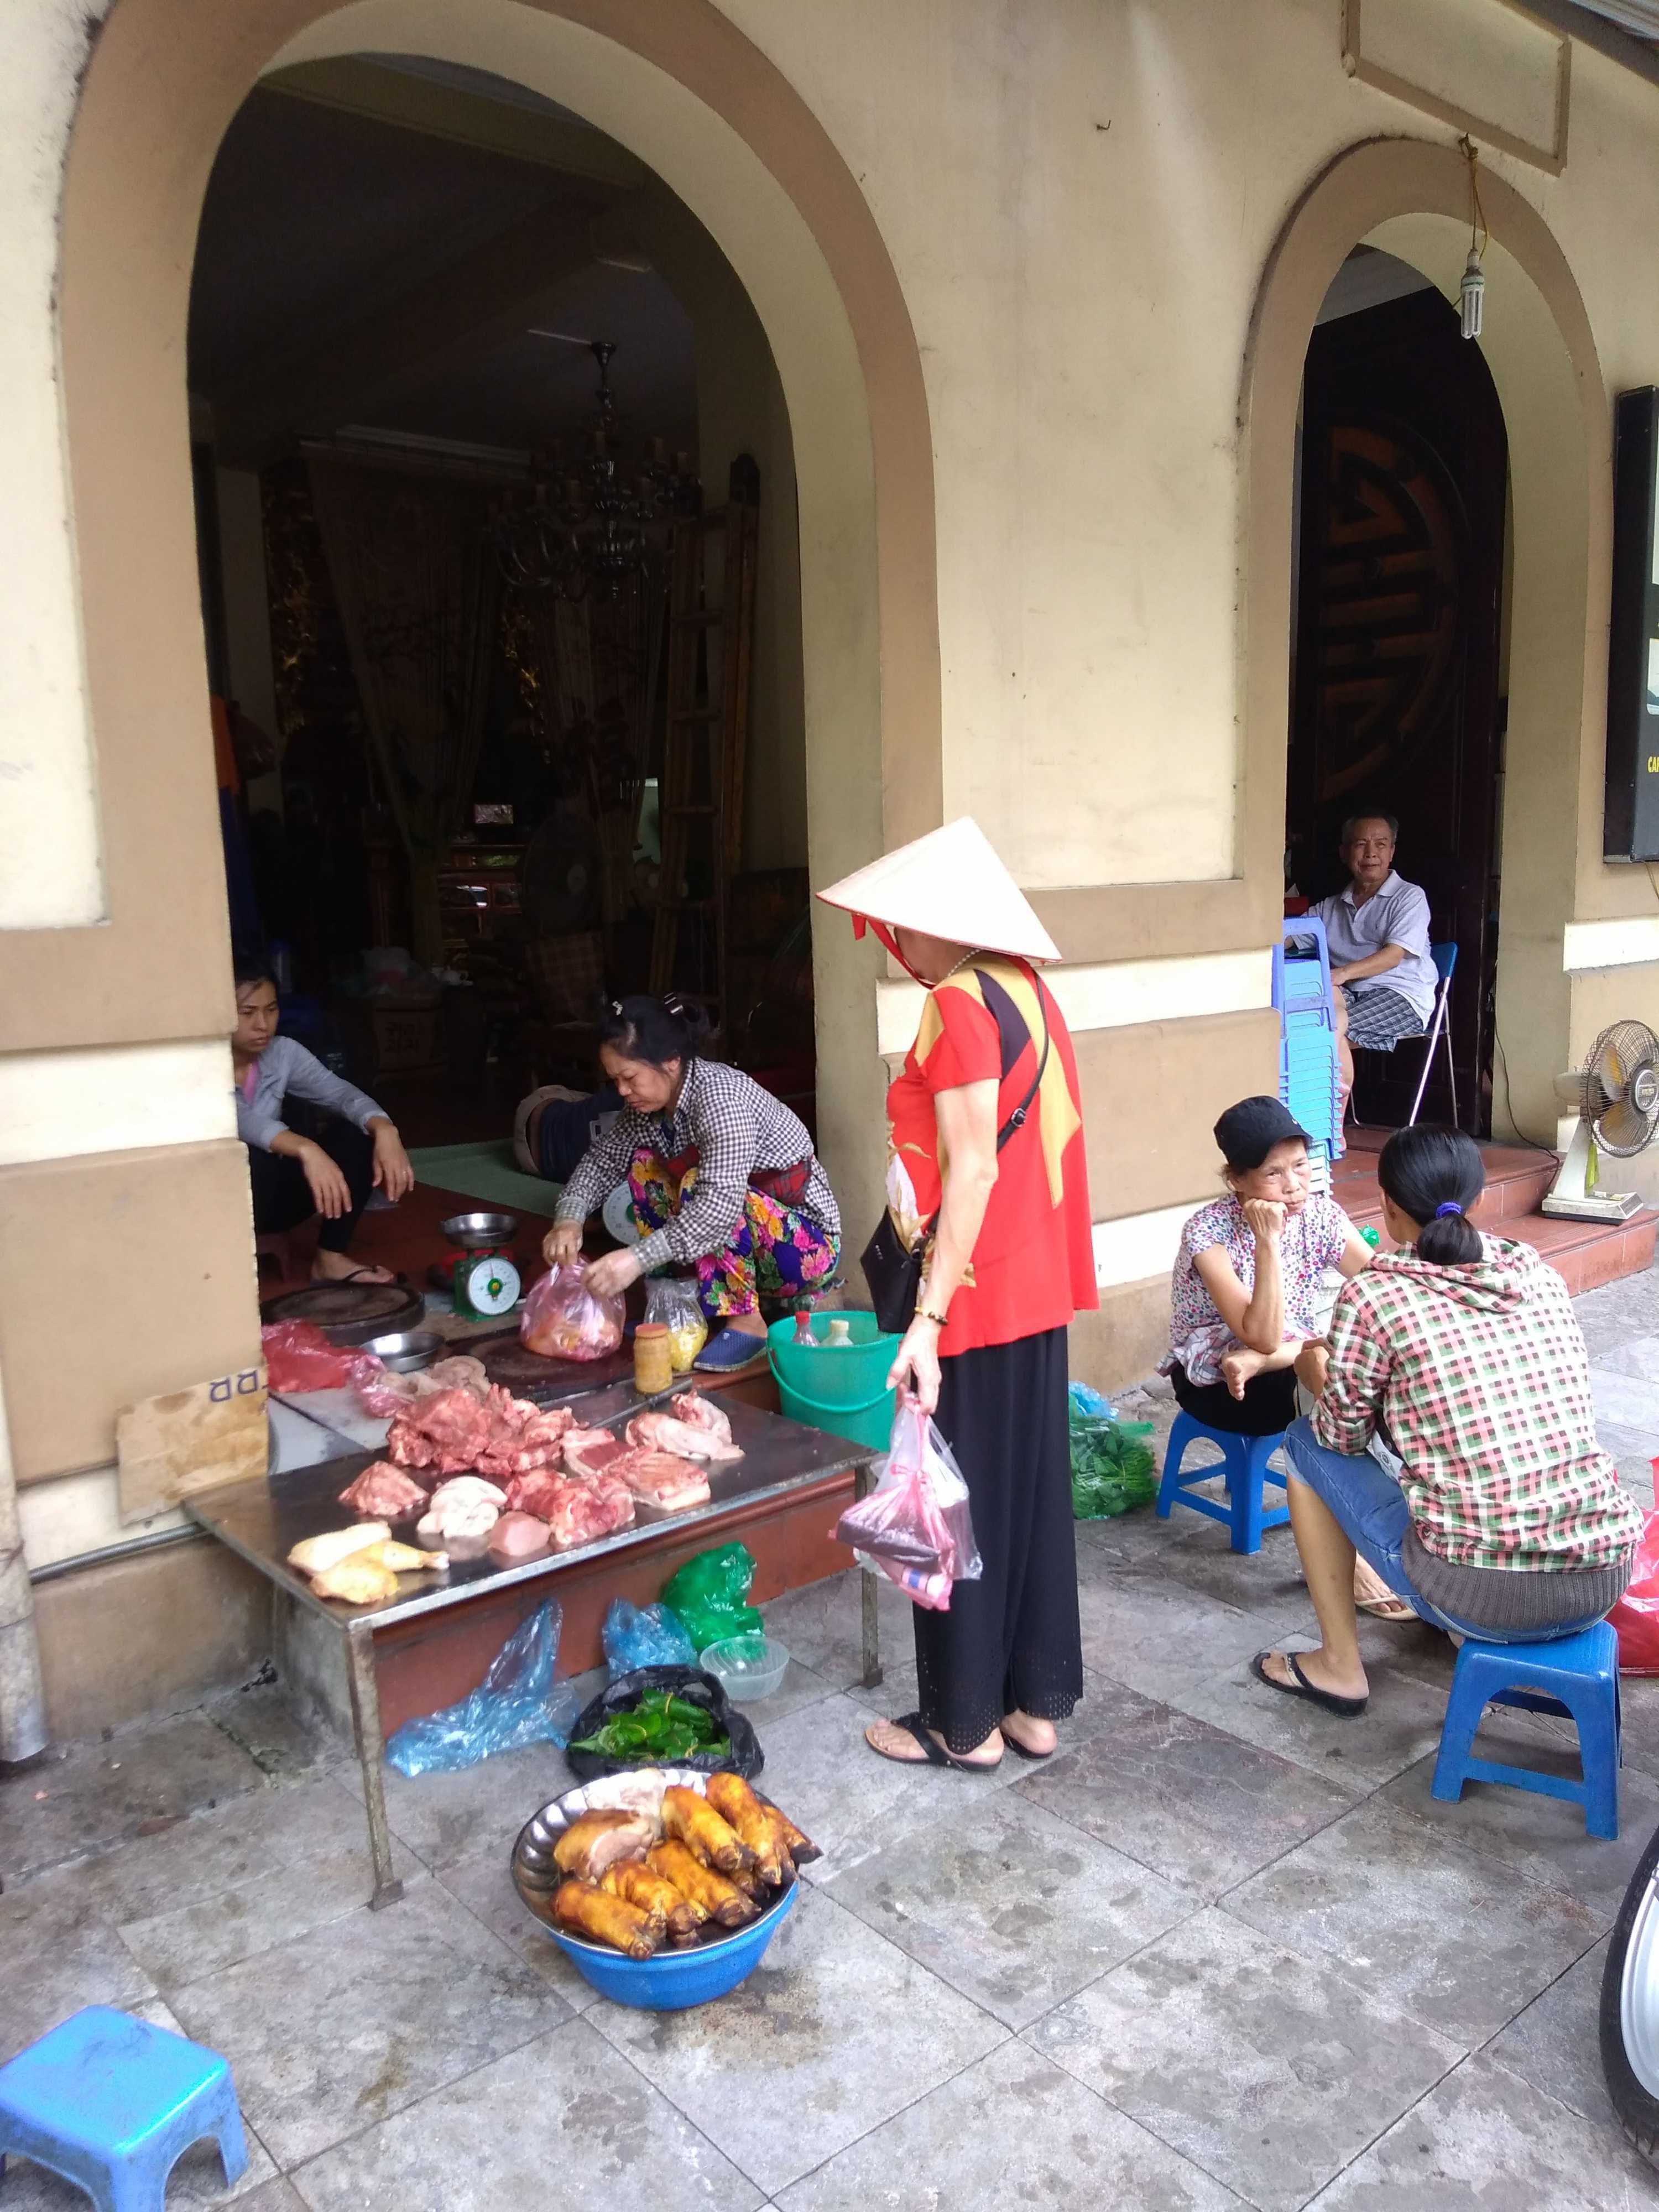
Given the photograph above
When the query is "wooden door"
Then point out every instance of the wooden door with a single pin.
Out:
(1394, 675)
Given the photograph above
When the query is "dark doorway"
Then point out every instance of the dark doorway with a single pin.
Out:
(1396, 659)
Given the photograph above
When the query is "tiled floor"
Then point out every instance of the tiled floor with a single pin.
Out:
(1222, 1951)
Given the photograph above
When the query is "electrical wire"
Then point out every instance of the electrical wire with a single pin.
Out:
(1509, 1102)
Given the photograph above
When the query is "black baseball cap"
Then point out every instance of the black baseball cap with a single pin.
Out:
(1247, 1133)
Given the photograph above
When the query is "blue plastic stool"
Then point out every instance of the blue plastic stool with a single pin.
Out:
(109, 2103)
(1245, 1463)
(1577, 1676)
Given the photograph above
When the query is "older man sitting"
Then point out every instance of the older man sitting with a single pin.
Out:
(1378, 932)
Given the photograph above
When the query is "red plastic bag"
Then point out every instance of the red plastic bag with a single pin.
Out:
(299, 1356)
(563, 1320)
(1636, 1616)
(914, 1525)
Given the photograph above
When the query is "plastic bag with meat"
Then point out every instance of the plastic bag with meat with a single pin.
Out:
(914, 1525)
(563, 1320)
(299, 1356)
(382, 1392)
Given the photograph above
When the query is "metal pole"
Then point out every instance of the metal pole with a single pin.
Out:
(366, 1724)
(23, 1695)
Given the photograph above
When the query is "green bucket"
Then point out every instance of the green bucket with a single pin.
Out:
(845, 1390)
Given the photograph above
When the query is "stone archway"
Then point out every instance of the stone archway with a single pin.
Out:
(1412, 199)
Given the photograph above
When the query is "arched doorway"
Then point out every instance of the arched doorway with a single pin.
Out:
(1410, 200)
(681, 87)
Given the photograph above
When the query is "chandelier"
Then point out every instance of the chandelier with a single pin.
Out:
(596, 528)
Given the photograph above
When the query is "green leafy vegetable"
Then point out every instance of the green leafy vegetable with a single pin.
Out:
(661, 1729)
(1113, 1470)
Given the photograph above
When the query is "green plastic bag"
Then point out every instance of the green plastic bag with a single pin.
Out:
(1113, 1470)
(710, 1594)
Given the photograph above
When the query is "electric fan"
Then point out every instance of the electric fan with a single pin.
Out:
(1617, 1095)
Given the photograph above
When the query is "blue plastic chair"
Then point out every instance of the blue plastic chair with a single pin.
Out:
(109, 2103)
(1444, 957)
(1244, 1462)
(1574, 1675)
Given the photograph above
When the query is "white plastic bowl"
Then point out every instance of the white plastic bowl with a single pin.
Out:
(747, 1667)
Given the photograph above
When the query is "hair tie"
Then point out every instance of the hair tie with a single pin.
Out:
(1450, 1207)
(615, 1009)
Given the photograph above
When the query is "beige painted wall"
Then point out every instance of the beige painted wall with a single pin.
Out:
(1080, 203)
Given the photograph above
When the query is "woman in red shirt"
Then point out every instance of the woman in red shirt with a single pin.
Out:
(1007, 1258)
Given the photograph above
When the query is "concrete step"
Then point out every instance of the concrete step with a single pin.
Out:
(1585, 1254)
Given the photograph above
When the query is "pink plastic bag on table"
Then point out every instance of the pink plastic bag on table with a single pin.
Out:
(914, 1525)
(563, 1320)
(1636, 1616)
(299, 1356)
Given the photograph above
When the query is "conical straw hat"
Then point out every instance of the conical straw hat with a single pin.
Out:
(949, 883)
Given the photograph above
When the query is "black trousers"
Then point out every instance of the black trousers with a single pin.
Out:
(1267, 1406)
(1012, 1640)
(281, 1196)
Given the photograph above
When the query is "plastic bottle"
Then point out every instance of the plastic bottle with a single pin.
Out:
(841, 1331)
(804, 1327)
(1372, 1236)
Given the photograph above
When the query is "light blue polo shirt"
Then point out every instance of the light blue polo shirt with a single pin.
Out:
(1396, 913)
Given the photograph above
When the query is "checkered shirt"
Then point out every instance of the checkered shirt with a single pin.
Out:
(1481, 1377)
(737, 1128)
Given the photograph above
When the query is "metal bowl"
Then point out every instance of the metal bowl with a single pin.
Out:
(406, 1349)
(480, 1232)
(673, 1979)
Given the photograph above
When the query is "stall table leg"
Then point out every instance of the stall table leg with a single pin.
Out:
(869, 1596)
(371, 1750)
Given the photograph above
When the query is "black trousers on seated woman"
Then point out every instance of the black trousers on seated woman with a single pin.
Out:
(281, 1196)
(1268, 1404)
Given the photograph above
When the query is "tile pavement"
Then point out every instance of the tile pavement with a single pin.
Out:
(1222, 1951)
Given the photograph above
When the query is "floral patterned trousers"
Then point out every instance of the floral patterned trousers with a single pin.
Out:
(776, 1254)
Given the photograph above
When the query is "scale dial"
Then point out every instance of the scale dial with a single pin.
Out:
(489, 1284)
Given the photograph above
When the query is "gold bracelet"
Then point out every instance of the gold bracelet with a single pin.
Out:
(939, 1321)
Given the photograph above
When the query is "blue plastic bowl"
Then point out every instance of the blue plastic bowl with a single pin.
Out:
(676, 1979)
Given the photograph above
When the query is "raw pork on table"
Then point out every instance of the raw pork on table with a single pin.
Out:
(661, 1432)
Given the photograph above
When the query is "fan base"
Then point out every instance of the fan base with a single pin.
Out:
(1604, 1206)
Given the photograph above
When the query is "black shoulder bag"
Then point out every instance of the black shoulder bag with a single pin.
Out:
(891, 1269)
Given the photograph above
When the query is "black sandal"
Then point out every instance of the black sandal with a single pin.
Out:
(933, 1754)
(1345, 1708)
(1025, 1751)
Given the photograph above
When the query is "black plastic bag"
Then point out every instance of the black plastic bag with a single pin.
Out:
(745, 1757)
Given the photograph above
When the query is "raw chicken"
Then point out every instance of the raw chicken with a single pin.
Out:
(588, 1452)
(661, 1478)
(661, 1432)
(700, 1413)
(356, 1581)
(516, 1537)
(314, 1555)
(385, 1492)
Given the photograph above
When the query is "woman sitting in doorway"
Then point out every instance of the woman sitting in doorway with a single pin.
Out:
(1247, 1291)
(722, 1176)
(1508, 1521)
(295, 1176)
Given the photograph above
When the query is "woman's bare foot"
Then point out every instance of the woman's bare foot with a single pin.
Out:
(1237, 1368)
(749, 1324)
(340, 1266)
(1038, 1737)
(893, 1742)
(1319, 1671)
(1371, 1595)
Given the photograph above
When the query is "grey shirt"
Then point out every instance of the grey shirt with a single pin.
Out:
(285, 1066)
(1396, 913)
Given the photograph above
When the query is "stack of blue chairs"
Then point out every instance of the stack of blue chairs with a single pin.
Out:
(1308, 1081)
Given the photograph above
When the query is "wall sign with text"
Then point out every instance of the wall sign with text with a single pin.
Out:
(1631, 817)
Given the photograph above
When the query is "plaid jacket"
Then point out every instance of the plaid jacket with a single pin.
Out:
(737, 1127)
(1481, 1375)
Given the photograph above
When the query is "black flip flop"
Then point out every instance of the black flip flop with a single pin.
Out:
(1345, 1708)
(1023, 1750)
(934, 1754)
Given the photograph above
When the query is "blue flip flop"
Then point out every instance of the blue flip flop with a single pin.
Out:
(730, 1353)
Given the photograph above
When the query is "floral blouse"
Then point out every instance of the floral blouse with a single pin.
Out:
(1313, 1241)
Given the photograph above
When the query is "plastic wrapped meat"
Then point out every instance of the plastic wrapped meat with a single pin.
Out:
(661, 1478)
(563, 1320)
(700, 1413)
(661, 1432)
(383, 1392)
(385, 1492)
(589, 1452)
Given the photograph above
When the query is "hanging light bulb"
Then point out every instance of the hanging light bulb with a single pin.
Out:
(1472, 292)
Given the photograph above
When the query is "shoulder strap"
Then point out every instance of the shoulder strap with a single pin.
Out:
(1016, 1120)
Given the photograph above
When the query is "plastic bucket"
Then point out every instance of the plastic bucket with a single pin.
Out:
(845, 1390)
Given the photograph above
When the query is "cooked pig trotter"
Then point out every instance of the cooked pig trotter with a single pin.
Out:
(718, 1898)
(582, 1910)
(695, 1822)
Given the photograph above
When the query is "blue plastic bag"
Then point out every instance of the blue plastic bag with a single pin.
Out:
(515, 1704)
(655, 1637)
(1089, 1405)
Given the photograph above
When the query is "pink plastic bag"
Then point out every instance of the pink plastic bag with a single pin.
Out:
(563, 1320)
(299, 1356)
(914, 1525)
(1636, 1616)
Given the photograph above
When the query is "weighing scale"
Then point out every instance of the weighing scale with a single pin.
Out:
(484, 1282)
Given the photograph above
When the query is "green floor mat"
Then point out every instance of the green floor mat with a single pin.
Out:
(488, 1173)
